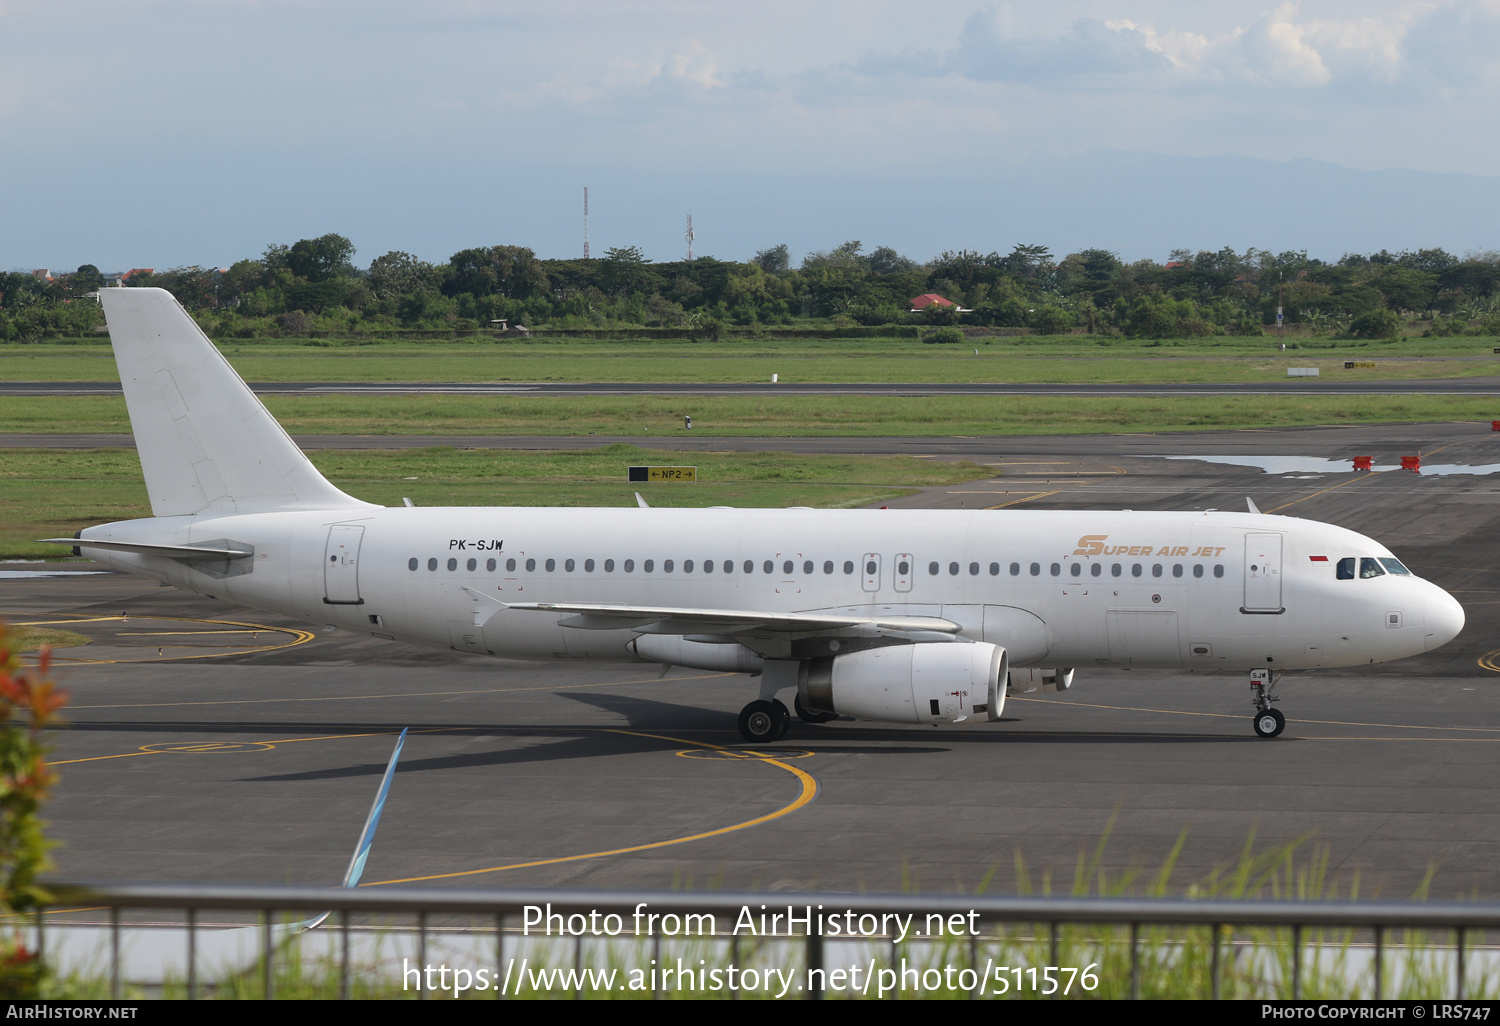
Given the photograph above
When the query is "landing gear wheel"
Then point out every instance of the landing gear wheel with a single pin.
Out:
(1269, 723)
(806, 715)
(763, 722)
(783, 718)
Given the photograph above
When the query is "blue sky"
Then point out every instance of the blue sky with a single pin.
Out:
(165, 132)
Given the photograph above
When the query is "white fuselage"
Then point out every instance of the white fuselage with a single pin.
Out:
(1055, 588)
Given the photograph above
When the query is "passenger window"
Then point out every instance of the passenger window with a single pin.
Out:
(609, 566)
(551, 565)
(903, 568)
(1176, 569)
(1346, 569)
(687, 566)
(1394, 566)
(1036, 569)
(786, 567)
(952, 569)
(666, 566)
(828, 566)
(729, 566)
(973, 569)
(473, 565)
(769, 567)
(629, 566)
(1076, 569)
(848, 566)
(510, 565)
(1096, 569)
(994, 569)
(530, 565)
(452, 564)
(1056, 569)
(1370, 568)
(749, 566)
(588, 566)
(1135, 569)
(932, 568)
(411, 564)
(1015, 569)
(1197, 569)
(807, 566)
(648, 566)
(870, 568)
(1114, 569)
(489, 565)
(1155, 569)
(708, 566)
(432, 563)
(1218, 569)
(568, 566)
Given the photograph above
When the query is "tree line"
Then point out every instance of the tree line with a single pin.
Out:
(314, 285)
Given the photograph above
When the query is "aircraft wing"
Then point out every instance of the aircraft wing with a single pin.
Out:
(732, 622)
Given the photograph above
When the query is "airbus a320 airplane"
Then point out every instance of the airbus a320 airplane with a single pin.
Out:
(903, 616)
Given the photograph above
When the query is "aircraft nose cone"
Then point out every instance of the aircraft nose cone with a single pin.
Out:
(1445, 618)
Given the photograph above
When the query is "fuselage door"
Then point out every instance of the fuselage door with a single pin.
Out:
(1262, 573)
(341, 565)
(905, 570)
(870, 567)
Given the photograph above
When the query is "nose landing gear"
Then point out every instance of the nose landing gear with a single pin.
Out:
(1268, 722)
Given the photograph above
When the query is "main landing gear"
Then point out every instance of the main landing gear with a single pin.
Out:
(764, 721)
(1268, 722)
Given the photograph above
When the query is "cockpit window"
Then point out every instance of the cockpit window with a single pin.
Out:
(1346, 568)
(1370, 568)
(1394, 566)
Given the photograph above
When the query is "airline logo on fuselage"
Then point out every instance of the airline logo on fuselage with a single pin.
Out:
(1094, 545)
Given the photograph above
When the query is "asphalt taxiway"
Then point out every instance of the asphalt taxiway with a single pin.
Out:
(209, 742)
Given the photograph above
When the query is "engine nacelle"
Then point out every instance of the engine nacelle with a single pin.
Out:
(927, 683)
(1025, 680)
(697, 655)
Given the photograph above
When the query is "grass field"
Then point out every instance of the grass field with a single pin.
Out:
(1066, 358)
(774, 416)
(51, 493)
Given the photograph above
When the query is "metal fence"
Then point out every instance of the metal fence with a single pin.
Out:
(1461, 926)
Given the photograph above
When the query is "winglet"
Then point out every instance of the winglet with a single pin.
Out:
(367, 835)
(1251, 503)
(641, 502)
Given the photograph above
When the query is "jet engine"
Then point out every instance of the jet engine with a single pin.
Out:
(926, 683)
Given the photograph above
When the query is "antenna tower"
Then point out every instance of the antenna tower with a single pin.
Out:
(690, 236)
(585, 222)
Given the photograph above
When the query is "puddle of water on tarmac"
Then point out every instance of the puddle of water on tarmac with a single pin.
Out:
(1320, 465)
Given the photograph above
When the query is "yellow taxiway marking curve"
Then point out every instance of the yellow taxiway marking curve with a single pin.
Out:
(1490, 660)
(218, 747)
(808, 792)
(299, 637)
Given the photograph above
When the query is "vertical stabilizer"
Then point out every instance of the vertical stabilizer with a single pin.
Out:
(205, 441)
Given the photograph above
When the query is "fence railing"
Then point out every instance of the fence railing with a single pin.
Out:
(513, 912)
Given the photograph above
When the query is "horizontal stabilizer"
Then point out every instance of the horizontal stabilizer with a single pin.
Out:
(174, 551)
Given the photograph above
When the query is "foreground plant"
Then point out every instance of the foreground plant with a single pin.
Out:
(29, 703)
